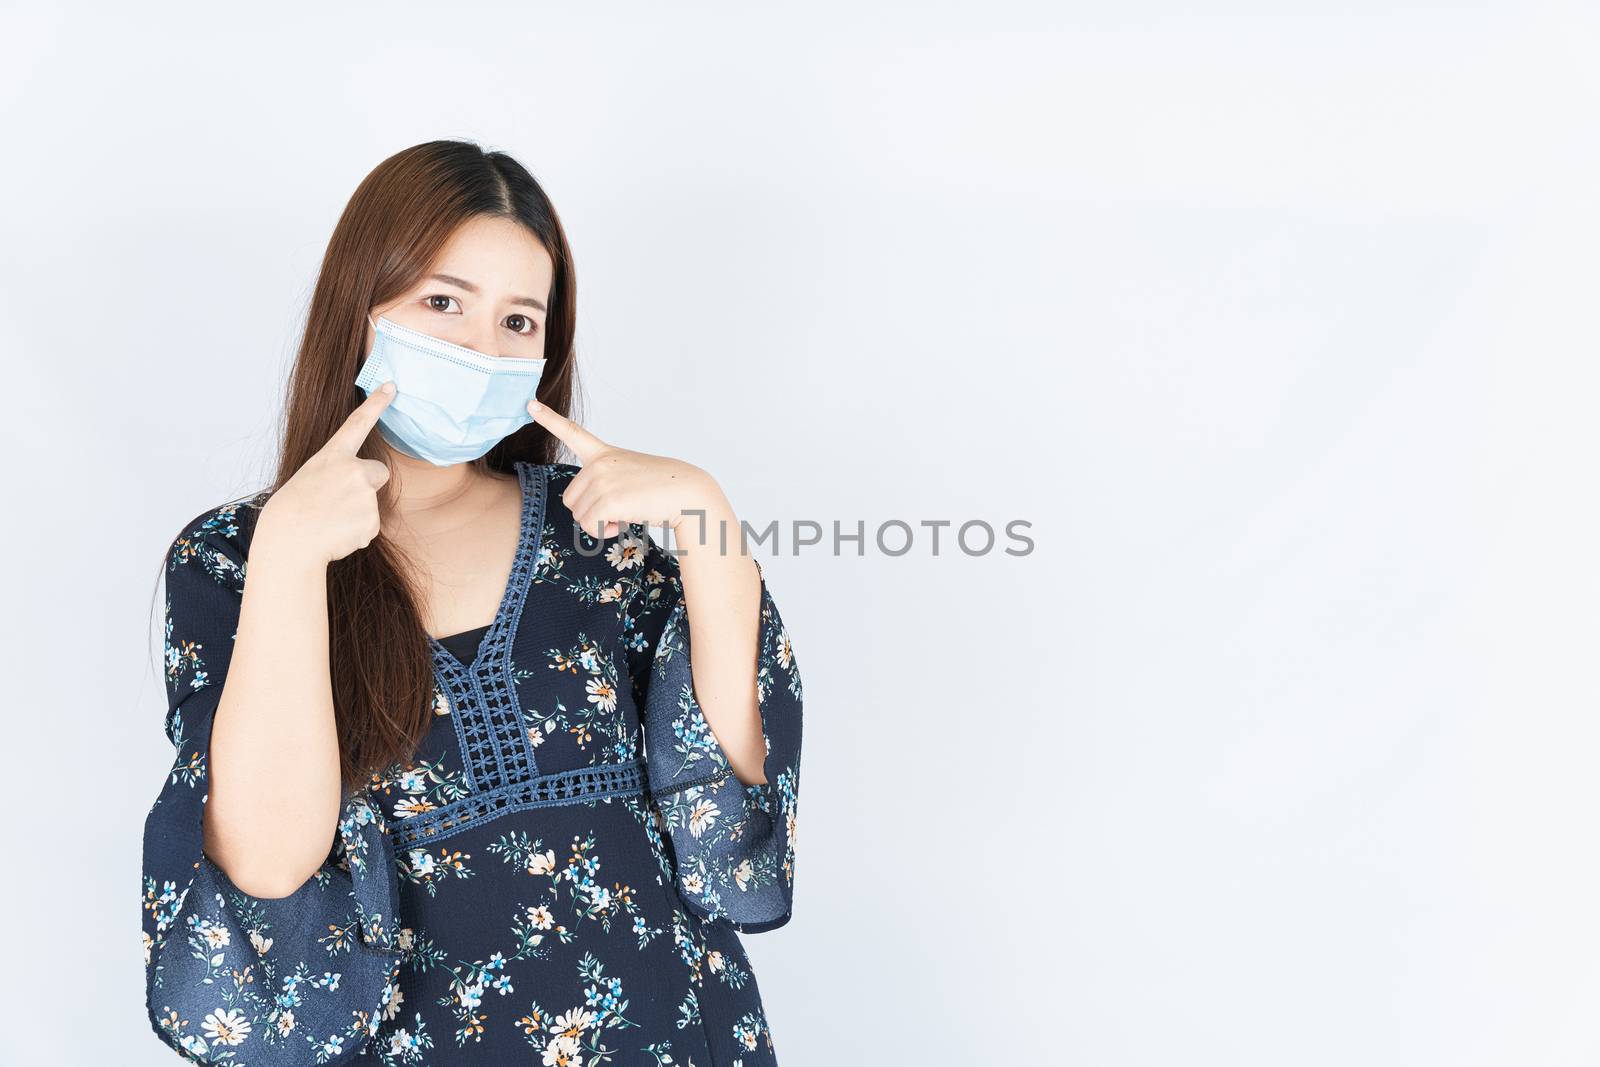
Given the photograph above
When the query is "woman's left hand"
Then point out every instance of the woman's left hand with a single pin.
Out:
(618, 486)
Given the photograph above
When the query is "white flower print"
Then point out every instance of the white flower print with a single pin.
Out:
(703, 815)
(391, 1007)
(226, 1027)
(573, 1023)
(405, 809)
(471, 997)
(629, 551)
(602, 694)
(562, 1051)
(216, 935)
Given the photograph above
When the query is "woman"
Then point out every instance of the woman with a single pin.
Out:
(449, 785)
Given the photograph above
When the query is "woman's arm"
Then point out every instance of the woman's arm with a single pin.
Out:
(275, 797)
(276, 789)
(722, 595)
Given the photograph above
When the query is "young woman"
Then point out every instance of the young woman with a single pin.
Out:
(450, 785)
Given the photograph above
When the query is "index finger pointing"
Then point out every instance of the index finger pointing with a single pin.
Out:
(352, 434)
(583, 443)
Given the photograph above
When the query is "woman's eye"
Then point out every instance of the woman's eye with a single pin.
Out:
(521, 324)
(439, 296)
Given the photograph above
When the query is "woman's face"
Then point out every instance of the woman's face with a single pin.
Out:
(488, 290)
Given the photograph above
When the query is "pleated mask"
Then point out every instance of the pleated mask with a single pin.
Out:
(451, 404)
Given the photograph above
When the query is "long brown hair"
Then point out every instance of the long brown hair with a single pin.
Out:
(394, 226)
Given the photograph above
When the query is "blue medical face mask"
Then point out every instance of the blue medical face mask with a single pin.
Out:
(451, 404)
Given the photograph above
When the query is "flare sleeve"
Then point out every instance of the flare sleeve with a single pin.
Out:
(230, 976)
(733, 844)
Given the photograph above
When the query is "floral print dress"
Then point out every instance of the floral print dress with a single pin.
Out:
(559, 873)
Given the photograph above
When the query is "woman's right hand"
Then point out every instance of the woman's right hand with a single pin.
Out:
(329, 507)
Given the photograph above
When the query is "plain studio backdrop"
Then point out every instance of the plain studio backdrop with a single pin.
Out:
(1275, 323)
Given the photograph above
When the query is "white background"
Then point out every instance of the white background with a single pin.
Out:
(1276, 322)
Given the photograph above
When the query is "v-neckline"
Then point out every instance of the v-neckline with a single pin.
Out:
(510, 596)
(459, 647)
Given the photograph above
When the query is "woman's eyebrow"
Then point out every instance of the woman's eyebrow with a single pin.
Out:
(450, 279)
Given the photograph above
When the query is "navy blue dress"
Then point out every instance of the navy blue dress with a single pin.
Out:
(558, 875)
